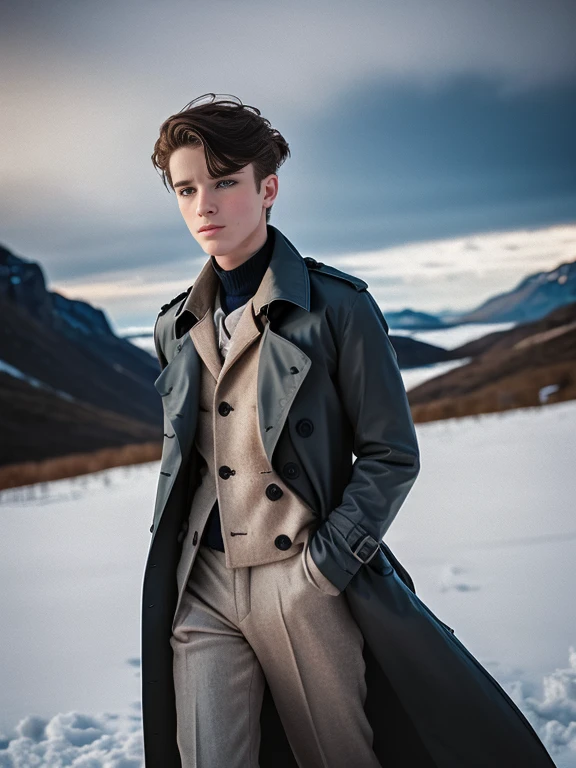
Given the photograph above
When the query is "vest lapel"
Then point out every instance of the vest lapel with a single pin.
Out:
(246, 332)
(205, 340)
(203, 335)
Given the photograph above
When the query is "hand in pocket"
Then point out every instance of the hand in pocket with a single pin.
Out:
(314, 575)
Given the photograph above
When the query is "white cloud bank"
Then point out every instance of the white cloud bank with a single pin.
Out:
(75, 740)
(554, 717)
(452, 273)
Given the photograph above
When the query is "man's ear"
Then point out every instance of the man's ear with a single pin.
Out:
(270, 184)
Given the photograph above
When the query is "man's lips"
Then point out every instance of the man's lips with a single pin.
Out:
(208, 229)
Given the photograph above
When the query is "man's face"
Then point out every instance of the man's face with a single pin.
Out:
(230, 203)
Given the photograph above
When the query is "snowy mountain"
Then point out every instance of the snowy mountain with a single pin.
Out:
(534, 297)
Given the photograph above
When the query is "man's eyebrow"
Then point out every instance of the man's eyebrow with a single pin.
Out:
(184, 183)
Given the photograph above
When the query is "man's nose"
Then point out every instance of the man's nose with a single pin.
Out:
(205, 205)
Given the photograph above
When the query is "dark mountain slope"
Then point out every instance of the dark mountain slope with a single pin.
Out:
(104, 371)
(509, 370)
(38, 424)
(81, 389)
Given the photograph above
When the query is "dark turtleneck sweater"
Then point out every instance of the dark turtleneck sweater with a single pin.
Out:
(237, 286)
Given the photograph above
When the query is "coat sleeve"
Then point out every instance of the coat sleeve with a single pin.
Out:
(385, 446)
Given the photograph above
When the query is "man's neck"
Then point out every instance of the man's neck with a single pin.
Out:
(238, 284)
(251, 246)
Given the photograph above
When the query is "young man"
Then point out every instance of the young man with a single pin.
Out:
(255, 607)
(274, 618)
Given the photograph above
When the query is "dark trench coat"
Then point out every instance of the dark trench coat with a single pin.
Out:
(329, 386)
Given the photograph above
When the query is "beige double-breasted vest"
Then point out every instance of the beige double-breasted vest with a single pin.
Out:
(262, 519)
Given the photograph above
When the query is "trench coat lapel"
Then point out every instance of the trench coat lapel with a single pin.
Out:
(179, 386)
(282, 365)
(179, 382)
(281, 372)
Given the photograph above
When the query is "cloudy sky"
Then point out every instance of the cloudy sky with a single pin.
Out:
(407, 122)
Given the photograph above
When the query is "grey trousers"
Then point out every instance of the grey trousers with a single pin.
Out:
(238, 628)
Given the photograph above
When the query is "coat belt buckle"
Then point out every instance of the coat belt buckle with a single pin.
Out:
(366, 540)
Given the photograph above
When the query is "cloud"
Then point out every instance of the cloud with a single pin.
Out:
(75, 739)
(250, 48)
(407, 121)
(467, 270)
(554, 716)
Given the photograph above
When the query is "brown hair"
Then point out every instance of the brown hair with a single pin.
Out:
(232, 134)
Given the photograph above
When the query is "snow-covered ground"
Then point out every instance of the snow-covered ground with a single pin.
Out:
(447, 338)
(414, 376)
(487, 532)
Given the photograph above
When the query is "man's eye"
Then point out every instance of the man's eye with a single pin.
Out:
(230, 182)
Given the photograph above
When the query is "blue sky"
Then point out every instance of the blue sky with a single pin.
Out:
(406, 122)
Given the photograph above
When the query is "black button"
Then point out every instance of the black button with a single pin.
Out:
(283, 542)
(304, 427)
(294, 369)
(195, 539)
(185, 526)
(274, 492)
(224, 409)
(291, 470)
(152, 528)
(225, 472)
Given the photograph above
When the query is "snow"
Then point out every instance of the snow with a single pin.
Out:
(135, 331)
(487, 533)
(144, 342)
(545, 392)
(412, 377)
(16, 373)
(450, 338)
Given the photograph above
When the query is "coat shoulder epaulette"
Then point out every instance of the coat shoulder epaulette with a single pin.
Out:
(165, 307)
(326, 269)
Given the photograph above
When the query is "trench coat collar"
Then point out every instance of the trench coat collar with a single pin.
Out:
(286, 278)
